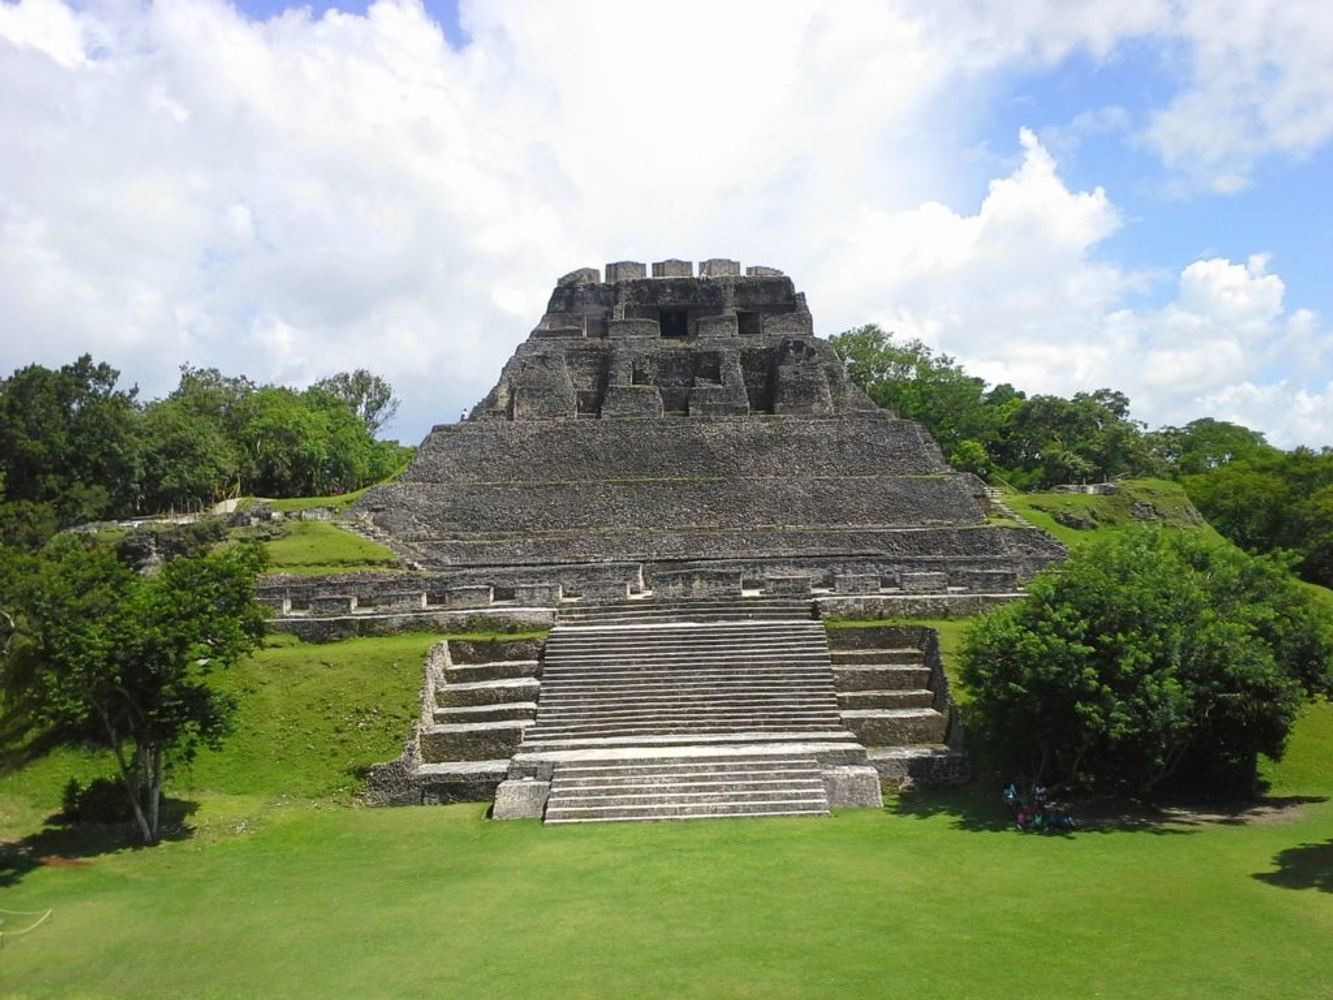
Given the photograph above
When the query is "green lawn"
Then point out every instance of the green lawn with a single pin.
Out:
(316, 547)
(286, 887)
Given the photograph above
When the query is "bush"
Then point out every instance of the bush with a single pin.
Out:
(1146, 657)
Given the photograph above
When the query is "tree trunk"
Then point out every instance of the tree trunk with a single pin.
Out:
(155, 793)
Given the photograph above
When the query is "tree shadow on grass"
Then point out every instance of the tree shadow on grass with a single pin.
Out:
(978, 807)
(72, 845)
(1307, 866)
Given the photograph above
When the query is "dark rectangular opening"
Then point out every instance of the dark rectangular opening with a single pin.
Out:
(749, 324)
(674, 323)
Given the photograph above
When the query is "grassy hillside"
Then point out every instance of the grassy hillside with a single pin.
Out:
(1076, 518)
(316, 547)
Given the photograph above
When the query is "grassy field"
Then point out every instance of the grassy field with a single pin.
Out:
(315, 547)
(280, 885)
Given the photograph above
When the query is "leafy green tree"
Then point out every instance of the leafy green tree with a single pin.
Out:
(366, 394)
(67, 439)
(1149, 656)
(93, 650)
(1204, 444)
(187, 458)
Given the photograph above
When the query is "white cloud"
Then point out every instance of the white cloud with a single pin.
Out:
(299, 195)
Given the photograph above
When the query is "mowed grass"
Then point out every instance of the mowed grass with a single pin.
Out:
(287, 888)
(316, 547)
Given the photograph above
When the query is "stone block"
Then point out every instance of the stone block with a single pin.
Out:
(763, 272)
(537, 595)
(924, 583)
(558, 332)
(719, 267)
(632, 401)
(793, 324)
(622, 329)
(281, 605)
(985, 581)
(583, 276)
(625, 270)
(470, 740)
(719, 401)
(856, 583)
(468, 597)
(597, 592)
(853, 787)
(411, 600)
(673, 268)
(788, 586)
(716, 326)
(522, 798)
(697, 583)
(328, 604)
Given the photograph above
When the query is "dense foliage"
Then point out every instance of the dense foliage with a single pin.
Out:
(74, 447)
(1271, 500)
(96, 652)
(1146, 657)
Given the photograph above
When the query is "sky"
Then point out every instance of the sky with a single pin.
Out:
(1061, 195)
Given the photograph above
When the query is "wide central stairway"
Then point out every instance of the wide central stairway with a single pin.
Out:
(686, 710)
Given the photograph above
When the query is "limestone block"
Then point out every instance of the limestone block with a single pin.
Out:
(468, 597)
(558, 332)
(788, 586)
(673, 268)
(625, 270)
(281, 604)
(895, 727)
(632, 401)
(620, 329)
(716, 326)
(583, 276)
(542, 389)
(411, 600)
(597, 592)
(985, 581)
(719, 267)
(522, 798)
(791, 324)
(697, 583)
(329, 604)
(471, 740)
(856, 583)
(537, 595)
(925, 583)
(853, 787)
(763, 272)
(719, 400)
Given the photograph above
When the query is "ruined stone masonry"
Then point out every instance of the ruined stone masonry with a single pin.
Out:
(679, 475)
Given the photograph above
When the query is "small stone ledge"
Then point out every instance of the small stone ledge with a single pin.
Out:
(853, 787)
(521, 798)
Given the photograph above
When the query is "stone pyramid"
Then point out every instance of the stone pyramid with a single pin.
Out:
(689, 435)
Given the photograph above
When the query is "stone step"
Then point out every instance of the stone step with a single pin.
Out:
(674, 771)
(663, 741)
(487, 692)
(597, 730)
(907, 655)
(488, 713)
(896, 726)
(906, 698)
(466, 673)
(697, 631)
(811, 792)
(470, 740)
(769, 810)
(560, 681)
(628, 711)
(925, 766)
(883, 677)
(666, 656)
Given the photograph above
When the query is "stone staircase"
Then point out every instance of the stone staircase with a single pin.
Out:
(686, 787)
(892, 693)
(688, 709)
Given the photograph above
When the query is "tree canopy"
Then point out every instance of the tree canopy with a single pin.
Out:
(1143, 658)
(95, 652)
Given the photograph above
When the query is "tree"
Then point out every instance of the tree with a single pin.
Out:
(1153, 655)
(67, 438)
(187, 459)
(1204, 444)
(94, 651)
(367, 395)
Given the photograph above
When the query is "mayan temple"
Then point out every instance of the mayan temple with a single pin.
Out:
(683, 474)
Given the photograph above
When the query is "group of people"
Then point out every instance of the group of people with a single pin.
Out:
(1033, 811)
